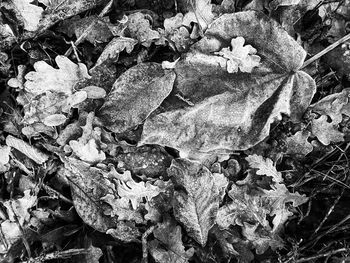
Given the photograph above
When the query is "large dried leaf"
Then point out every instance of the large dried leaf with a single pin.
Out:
(195, 206)
(224, 111)
(135, 95)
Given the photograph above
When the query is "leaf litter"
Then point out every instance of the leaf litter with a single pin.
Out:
(173, 132)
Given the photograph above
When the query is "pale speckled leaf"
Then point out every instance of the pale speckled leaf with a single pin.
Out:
(135, 95)
(196, 207)
(46, 78)
(27, 149)
(223, 111)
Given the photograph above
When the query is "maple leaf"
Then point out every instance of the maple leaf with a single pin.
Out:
(196, 207)
(220, 111)
(168, 234)
(86, 147)
(240, 56)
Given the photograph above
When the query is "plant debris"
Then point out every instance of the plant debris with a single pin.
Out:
(174, 131)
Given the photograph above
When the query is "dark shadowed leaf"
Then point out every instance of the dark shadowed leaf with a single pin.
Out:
(169, 235)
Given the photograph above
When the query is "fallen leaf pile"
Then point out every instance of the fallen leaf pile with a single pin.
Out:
(165, 152)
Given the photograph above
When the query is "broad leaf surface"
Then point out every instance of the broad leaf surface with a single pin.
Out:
(196, 207)
(135, 95)
(232, 111)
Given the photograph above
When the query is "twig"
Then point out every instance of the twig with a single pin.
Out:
(309, 259)
(326, 50)
(49, 190)
(59, 254)
(88, 29)
(144, 244)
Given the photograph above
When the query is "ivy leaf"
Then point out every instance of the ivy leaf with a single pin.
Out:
(220, 112)
(4, 158)
(168, 234)
(135, 95)
(195, 206)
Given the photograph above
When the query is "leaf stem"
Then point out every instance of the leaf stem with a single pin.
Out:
(326, 50)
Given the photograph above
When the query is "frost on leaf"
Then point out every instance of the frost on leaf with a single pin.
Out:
(88, 146)
(29, 14)
(195, 206)
(223, 111)
(264, 166)
(46, 78)
(135, 95)
(49, 94)
(331, 109)
(239, 56)
(168, 246)
(298, 144)
(252, 206)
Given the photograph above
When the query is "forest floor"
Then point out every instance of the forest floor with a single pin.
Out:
(174, 131)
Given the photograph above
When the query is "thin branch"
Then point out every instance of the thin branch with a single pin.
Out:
(87, 31)
(327, 254)
(325, 51)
